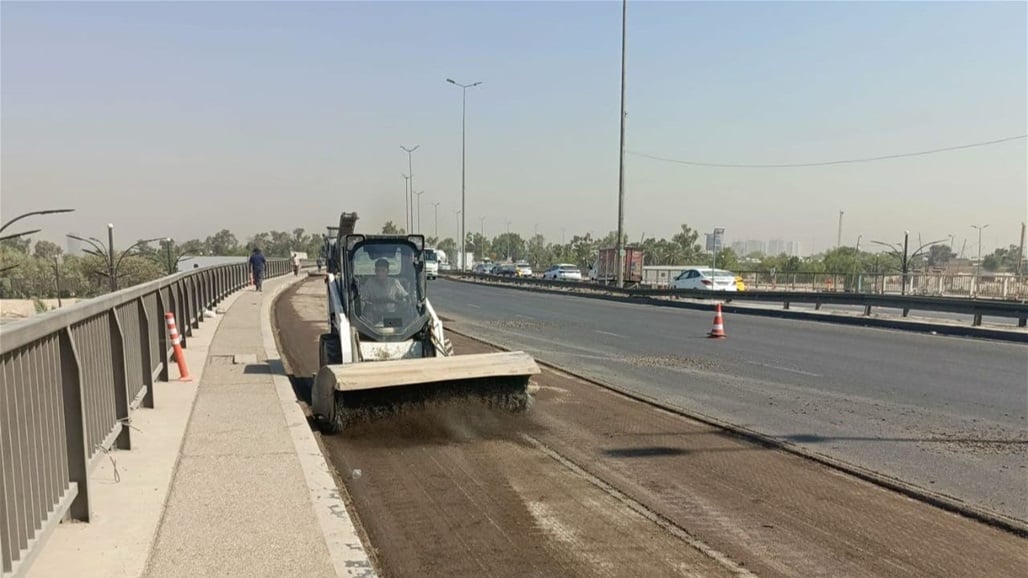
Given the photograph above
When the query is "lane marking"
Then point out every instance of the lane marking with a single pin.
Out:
(522, 316)
(789, 369)
(608, 333)
(473, 305)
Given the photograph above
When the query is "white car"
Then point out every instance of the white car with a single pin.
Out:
(563, 272)
(705, 278)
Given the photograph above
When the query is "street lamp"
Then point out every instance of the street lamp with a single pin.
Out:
(978, 267)
(107, 253)
(436, 207)
(410, 176)
(905, 256)
(463, 133)
(20, 217)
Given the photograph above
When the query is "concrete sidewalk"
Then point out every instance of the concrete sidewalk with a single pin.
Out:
(250, 493)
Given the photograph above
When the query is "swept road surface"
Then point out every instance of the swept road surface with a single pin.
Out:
(591, 483)
(947, 414)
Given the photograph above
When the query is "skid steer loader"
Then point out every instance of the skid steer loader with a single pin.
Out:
(385, 351)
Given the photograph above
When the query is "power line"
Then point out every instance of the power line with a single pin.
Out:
(828, 163)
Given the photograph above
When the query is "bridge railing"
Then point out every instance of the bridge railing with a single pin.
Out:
(976, 308)
(69, 380)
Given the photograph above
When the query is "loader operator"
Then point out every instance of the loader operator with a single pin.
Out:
(382, 292)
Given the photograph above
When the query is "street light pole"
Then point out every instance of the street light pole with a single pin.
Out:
(406, 205)
(419, 193)
(508, 240)
(978, 267)
(463, 134)
(436, 206)
(621, 156)
(112, 278)
(167, 245)
(410, 175)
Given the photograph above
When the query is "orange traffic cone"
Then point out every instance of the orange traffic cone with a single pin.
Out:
(718, 332)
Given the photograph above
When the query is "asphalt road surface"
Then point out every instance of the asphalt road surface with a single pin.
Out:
(944, 413)
(591, 483)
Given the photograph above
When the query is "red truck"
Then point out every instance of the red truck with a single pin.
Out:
(605, 270)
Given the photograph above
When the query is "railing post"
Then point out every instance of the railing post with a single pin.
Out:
(162, 335)
(977, 320)
(145, 325)
(119, 379)
(74, 426)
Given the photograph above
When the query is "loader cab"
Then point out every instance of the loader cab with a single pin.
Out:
(385, 286)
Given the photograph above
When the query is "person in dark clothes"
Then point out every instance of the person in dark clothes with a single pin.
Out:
(257, 263)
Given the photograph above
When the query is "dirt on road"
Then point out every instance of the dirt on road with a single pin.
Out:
(592, 483)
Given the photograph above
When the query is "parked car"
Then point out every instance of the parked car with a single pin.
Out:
(705, 278)
(523, 269)
(563, 272)
(484, 268)
(507, 270)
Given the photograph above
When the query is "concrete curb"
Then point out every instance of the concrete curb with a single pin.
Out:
(943, 501)
(877, 322)
(347, 553)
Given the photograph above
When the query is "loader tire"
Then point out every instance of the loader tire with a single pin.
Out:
(329, 353)
(329, 350)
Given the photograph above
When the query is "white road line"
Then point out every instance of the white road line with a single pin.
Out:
(780, 368)
(607, 333)
(522, 316)
(473, 305)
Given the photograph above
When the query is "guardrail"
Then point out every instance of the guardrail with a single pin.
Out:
(976, 308)
(68, 382)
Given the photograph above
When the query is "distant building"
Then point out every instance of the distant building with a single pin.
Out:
(776, 247)
(190, 263)
(73, 246)
(793, 248)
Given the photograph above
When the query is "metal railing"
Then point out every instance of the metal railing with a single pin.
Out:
(976, 308)
(69, 380)
(989, 285)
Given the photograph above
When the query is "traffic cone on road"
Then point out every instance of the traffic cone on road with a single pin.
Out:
(718, 332)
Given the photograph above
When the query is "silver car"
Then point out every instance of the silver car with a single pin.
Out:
(563, 272)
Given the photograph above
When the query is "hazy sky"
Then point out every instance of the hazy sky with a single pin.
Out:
(179, 119)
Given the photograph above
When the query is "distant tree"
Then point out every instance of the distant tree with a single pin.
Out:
(1002, 259)
(222, 243)
(448, 246)
(727, 259)
(17, 244)
(939, 255)
(391, 229)
(46, 250)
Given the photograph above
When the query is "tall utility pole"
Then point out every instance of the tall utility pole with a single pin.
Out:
(406, 205)
(838, 238)
(481, 227)
(463, 133)
(621, 156)
(436, 207)
(410, 176)
(508, 240)
(1020, 253)
(978, 268)
(418, 228)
